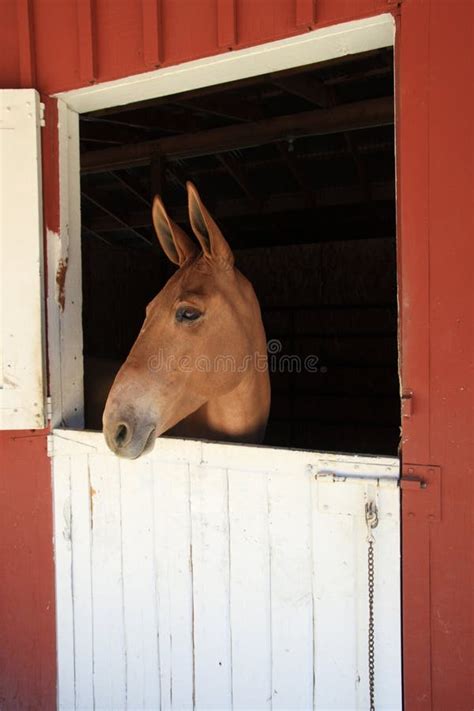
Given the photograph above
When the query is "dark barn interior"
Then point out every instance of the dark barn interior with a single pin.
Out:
(298, 170)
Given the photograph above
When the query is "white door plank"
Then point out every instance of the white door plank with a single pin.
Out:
(82, 497)
(110, 661)
(291, 590)
(337, 676)
(250, 613)
(64, 590)
(139, 585)
(174, 579)
(388, 675)
(210, 560)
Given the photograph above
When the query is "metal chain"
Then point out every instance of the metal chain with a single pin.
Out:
(371, 635)
(371, 516)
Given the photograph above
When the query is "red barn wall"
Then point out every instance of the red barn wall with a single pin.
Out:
(436, 105)
(27, 633)
(54, 45)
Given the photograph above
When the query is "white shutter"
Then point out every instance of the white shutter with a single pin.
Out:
(22, 379)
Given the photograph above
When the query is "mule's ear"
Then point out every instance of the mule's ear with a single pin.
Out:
(210, 237)
(175, 242)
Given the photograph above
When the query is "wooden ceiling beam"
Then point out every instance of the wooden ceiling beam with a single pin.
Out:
(231, 108)
(228, 209)
(109, 132)
(348, 117)
(309, 88)
(261, 80)
(150, 123)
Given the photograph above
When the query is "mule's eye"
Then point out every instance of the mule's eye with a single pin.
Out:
(187, 313)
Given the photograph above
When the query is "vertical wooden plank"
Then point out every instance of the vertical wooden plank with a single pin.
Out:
(64, 591)
(340, 571)
(451, 188)
(305, 13)
(413, 173)
(291, 590)
(110, 654)
(139, 585)
(210, 560)
(388, 643)
(86, 41)
(152, 43)
(250, 614)
(334, 569)
(26, 44)
(82, 497)
(412, 63)
(22, 343)
(226, 24)
(174, 583)
(64, 259)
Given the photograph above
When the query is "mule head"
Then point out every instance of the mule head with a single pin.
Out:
(206, 315)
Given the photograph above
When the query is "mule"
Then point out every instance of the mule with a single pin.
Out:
(199, 366)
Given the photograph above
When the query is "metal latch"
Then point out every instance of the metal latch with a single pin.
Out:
(421, 487)
(407, 403)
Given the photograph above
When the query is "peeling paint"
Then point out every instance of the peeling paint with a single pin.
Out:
(61, 272)
(58, 259)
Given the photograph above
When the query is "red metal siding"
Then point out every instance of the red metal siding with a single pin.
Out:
(62, 45)
(73, 43)
(27, 633)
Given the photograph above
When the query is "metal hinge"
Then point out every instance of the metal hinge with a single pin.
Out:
(42, 120)
(50, 445)
(49, 408)
(421, 487)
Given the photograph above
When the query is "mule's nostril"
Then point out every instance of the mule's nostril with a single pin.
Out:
(121, 434)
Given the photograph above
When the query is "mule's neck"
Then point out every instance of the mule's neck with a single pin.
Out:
(240, 415)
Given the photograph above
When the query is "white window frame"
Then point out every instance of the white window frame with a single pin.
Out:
(22, 342)
(64, 250)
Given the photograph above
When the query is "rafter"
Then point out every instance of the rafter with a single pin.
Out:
(237, 172)
(235, 109)
(119, 221)
(309, 88)
(348, 117)
(287, 202)
(130, 183)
